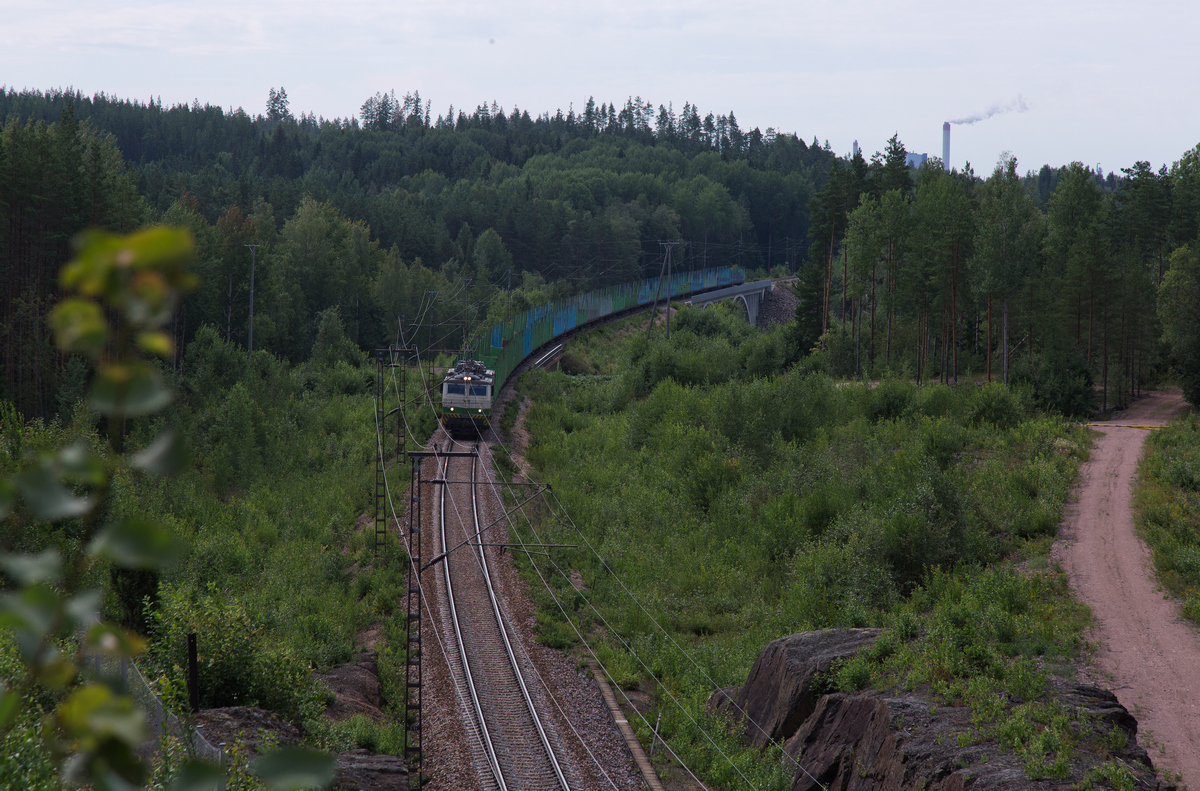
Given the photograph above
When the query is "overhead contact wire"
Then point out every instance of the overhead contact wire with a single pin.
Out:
(416, 573)
(653, 620)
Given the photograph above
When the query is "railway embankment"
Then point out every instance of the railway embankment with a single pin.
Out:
(778, 306)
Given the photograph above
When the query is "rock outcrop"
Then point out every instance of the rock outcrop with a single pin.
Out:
(783, 687)
(778, 306)
(872, 742)
(356, 688)
(904, 742)
(359, 770)
(255, 729)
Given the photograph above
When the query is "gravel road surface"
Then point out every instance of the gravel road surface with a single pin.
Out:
(1147, 653)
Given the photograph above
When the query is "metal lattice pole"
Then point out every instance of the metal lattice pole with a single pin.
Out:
(412, 669)
(380, 471)
(402, 399)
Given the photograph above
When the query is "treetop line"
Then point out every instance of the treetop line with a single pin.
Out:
(366, 219)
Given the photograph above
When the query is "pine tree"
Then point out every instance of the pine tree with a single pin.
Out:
(277, 105)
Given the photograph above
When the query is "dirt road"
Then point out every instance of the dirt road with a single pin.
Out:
(1147, 654)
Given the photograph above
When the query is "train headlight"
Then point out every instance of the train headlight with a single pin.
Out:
(451, 409)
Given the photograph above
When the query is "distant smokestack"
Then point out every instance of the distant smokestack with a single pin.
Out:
(946, 146)
(854, 151)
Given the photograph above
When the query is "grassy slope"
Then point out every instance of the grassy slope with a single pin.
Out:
(748, 508)
(278, 578)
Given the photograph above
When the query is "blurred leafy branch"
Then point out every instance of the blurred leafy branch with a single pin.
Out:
(122, 292)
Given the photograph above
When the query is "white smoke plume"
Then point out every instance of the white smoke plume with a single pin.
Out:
(1018, 105)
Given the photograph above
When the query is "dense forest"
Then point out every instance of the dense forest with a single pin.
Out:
(386, 218)
(398, 218)
(946, 274)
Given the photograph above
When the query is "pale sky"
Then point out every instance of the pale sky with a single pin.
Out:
(1105, 83)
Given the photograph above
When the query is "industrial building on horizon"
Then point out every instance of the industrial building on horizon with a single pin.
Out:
(915, 160)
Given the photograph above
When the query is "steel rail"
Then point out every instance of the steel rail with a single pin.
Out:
(489, 748)
(512, 657)
(489, 745)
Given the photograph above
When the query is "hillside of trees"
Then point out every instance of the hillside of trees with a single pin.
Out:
(1055, 278)
(397, 216)
(571, 195)
(947, 274)
(901, 503)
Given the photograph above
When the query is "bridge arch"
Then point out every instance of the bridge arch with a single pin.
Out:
(749, 294)
(746, 306)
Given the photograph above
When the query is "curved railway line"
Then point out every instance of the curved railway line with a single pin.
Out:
(515, 744)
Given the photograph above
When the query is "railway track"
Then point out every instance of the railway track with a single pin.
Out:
(515, 743)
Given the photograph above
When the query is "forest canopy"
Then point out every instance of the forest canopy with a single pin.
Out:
(1054, 278)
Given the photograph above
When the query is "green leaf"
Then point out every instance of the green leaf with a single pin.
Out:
(56, 672)
(8, 497)
(92, 271)
(197, 776)
(32, 569)
(32, 612)
(160, 248)
(95, 711)
(136, 543)
(9, 705)
(157, 343)
(80, 465)
(105, 638)
(129, 390)
(83, 609)
(166, 456)
(79, 326)
(141, 274)
(113, 781)
(48, 498)
(294, 768)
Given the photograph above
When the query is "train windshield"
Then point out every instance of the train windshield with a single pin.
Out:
(479, 390)
(456, 389)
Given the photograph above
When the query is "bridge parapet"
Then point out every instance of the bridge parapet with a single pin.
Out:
(750, 294)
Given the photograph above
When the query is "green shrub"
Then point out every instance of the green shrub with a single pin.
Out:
(358, 732)
(891, 399)
(238, 666)
(1167, 509)
(1060, 380)
(235, 455)
(213, 366)
(345, 379)
(751, 507)
(1112, 774)
(998, 405)
(25, 759)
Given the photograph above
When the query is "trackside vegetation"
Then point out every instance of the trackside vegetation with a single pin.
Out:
(738, 507)
(275, 570)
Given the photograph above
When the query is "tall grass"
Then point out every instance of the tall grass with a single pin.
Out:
(1167, 503)
(739, 508)
(278, 577)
